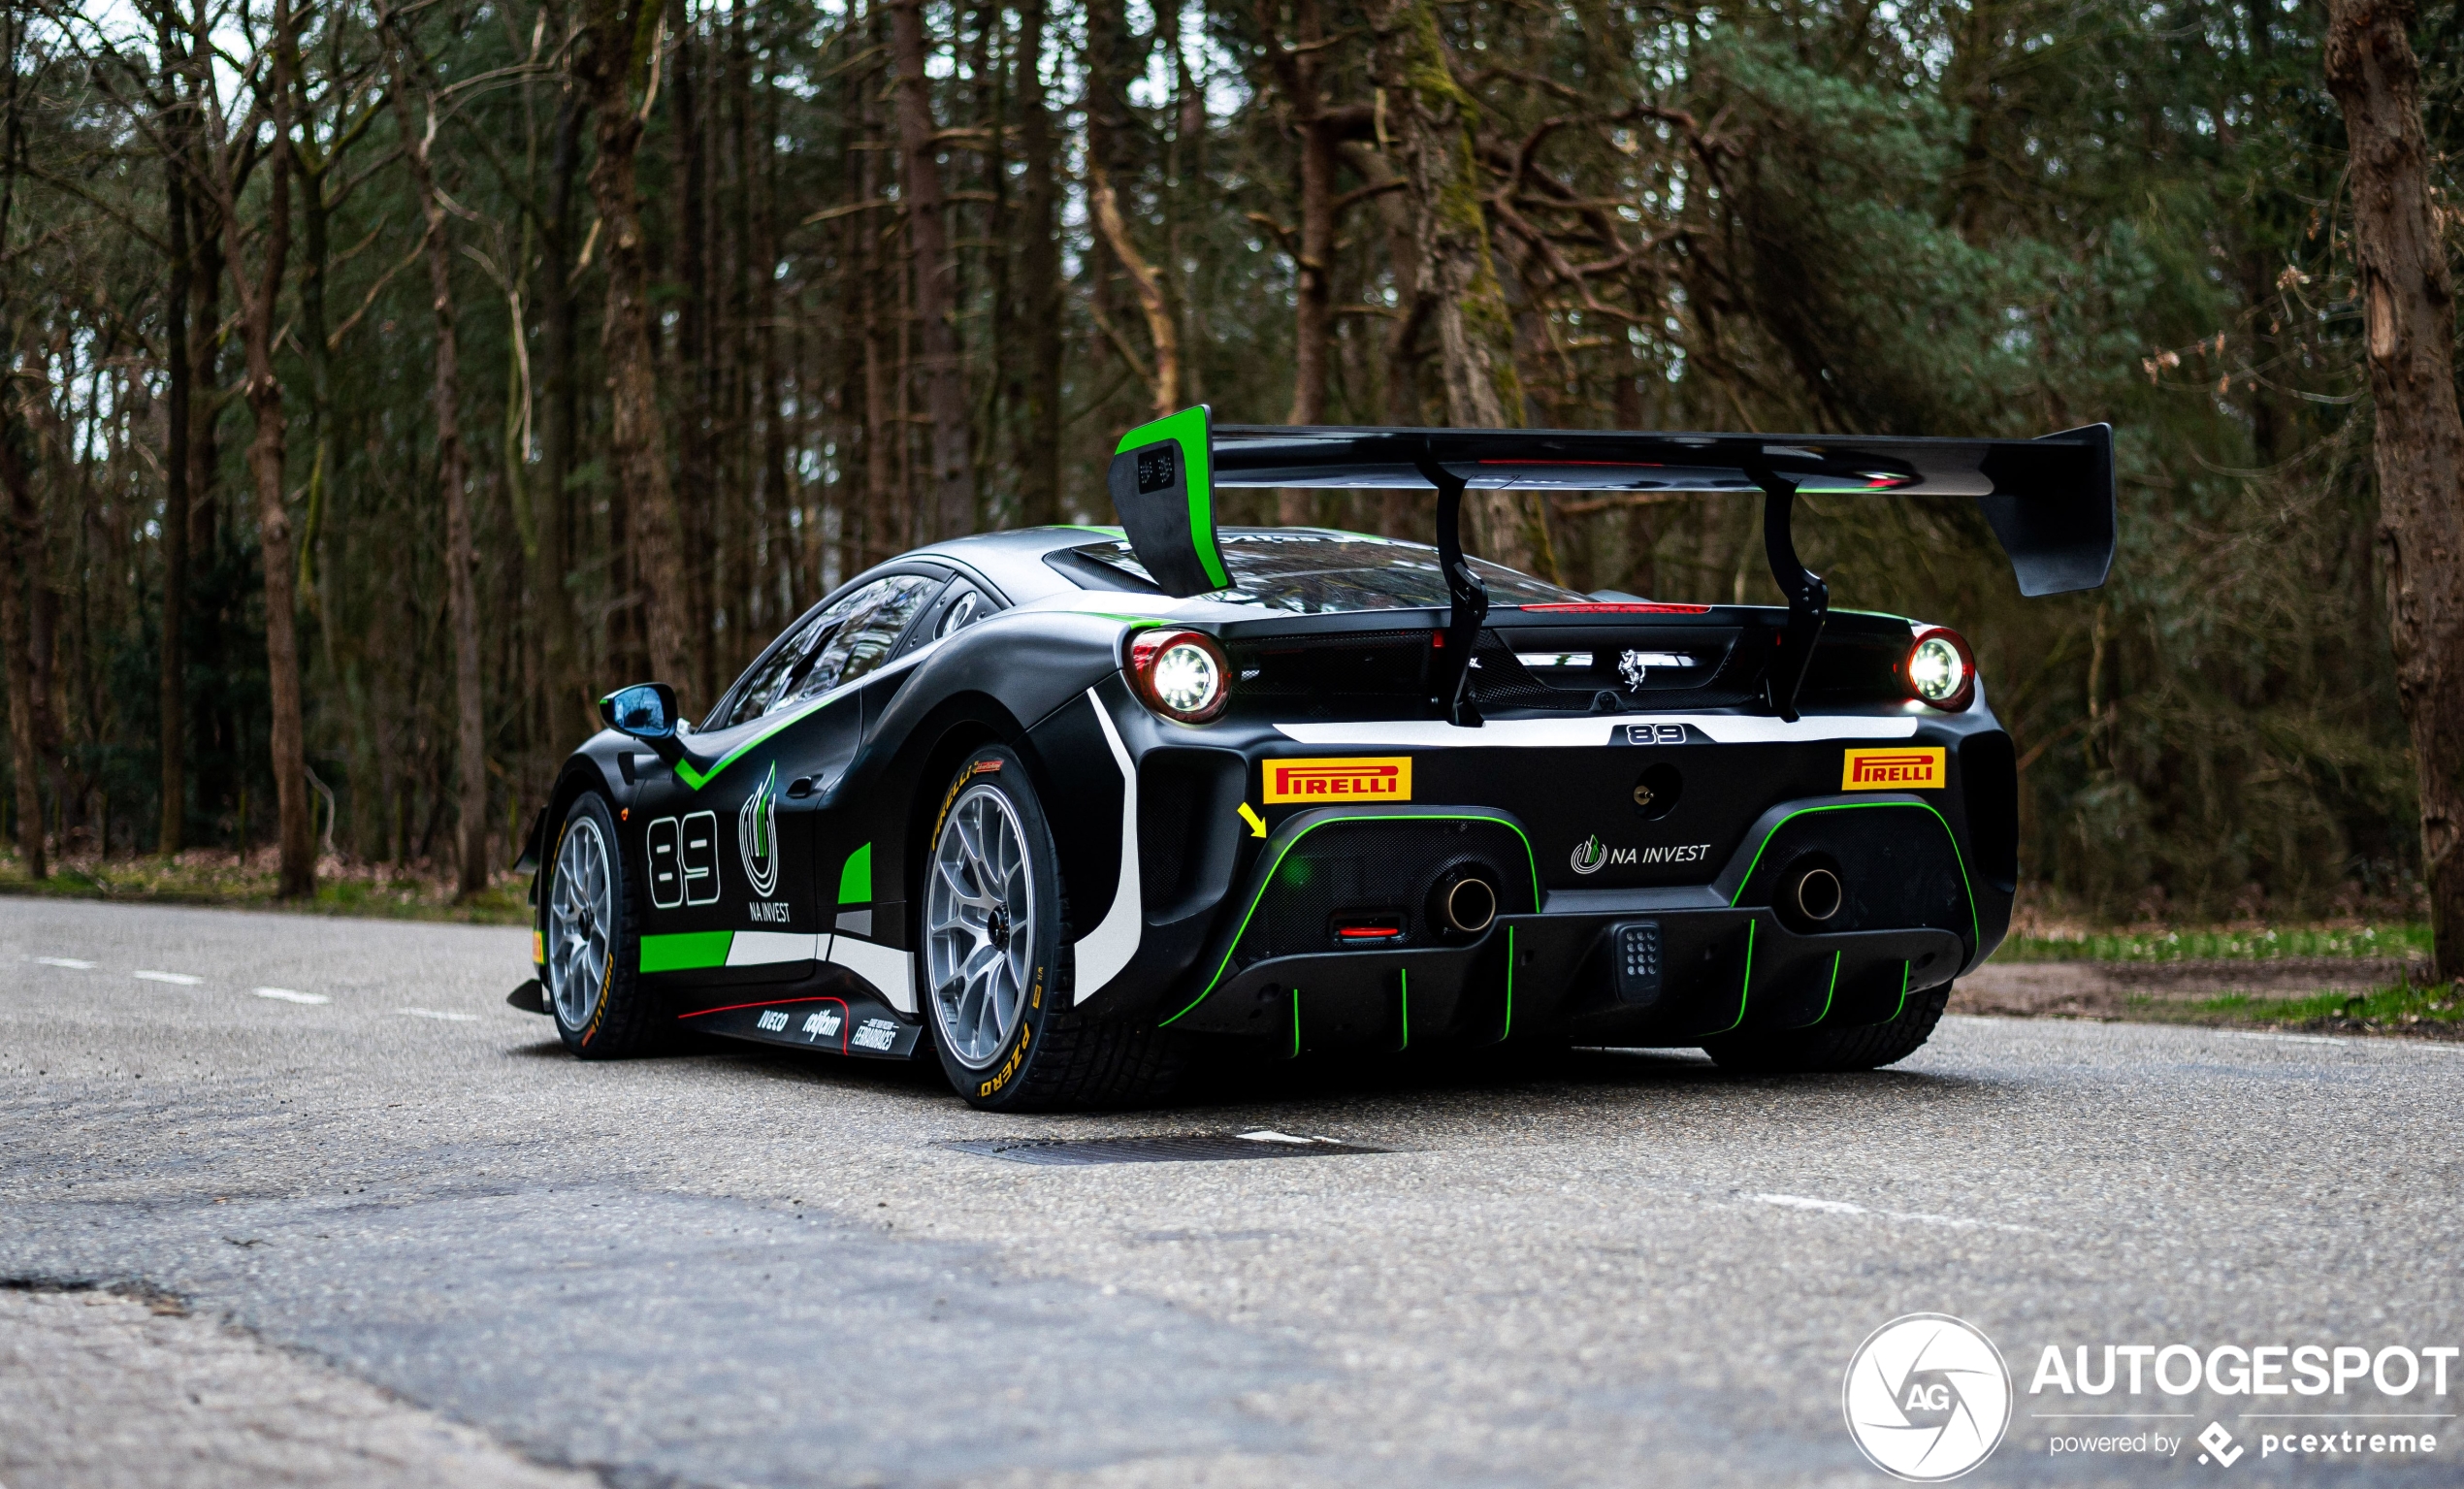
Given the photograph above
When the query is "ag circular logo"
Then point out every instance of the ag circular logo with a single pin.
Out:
(1928, 1397)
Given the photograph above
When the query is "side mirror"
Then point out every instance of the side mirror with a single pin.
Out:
(647, 711)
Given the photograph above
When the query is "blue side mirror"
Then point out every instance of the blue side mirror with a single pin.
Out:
(647, 711)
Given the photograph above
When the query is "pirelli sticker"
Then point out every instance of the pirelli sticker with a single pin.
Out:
(1902, 770)
(1331, 782)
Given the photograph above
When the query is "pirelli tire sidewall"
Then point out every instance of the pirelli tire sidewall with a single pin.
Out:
(621, 1023)
(1009, 1079)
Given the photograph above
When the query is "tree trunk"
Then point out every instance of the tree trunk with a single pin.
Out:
(1039, 295)
(173, 730)
(951, 498)
(1431, 117)
(569, 698)
(2409, 318)
(462, 605)
(618, 39)
(259, 303)
(1164, 384)
(18, 533)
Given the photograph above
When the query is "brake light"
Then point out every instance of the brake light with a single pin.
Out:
(1617, 607)
(1940, 671)
(1180, 674)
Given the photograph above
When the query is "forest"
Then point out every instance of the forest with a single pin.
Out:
(387, 379)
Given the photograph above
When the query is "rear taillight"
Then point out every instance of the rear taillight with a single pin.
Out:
(1940, 671)
(1180, 674)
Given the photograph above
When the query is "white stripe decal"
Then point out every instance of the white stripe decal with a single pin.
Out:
(761, 948)
(1592, 732)
(888, 969)
(1107, 948)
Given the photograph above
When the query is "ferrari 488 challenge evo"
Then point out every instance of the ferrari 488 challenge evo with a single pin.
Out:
(1065, 809)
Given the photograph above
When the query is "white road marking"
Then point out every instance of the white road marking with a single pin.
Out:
(70, 962)
(2288, 1039)
(1270, 1134)
(1843, 1207)
(175, 979)
(290, 995)
(439, 1013)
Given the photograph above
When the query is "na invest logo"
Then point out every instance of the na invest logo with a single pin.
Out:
(1928, 1397)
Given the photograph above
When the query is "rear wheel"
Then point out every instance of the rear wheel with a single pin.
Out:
(996, 964)
(1860, 1047)
(594, 951)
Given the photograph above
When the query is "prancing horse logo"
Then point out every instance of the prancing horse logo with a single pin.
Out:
(757, 834)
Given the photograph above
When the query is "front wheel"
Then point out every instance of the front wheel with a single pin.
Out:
(1856, 1046)
(996, 964)
(593, 943)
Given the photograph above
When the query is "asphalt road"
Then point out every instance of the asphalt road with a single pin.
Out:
(737, 1267)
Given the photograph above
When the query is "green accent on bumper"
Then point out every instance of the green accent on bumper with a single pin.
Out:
(1404, 976)
(1503, 1033)
(1531, 862)
(1833, 991)
(1745, 987)
(1976, 932)
(686, 951)
(856, 880)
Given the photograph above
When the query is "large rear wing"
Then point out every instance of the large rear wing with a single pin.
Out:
(2050, 501)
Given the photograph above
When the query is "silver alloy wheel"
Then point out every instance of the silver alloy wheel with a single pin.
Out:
(979, 927)
(580, 920)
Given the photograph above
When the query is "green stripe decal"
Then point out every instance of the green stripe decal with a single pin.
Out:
(1833, 991)
(1296, 1024)
(1404, 976)
(684, 951)
(1531, 862)
(697, 779)
(1908, 972)
(856, 880)
(1745, 987)
(1509, 986)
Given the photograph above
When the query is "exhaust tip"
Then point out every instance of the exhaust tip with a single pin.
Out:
(1818, 894)
(1469, 904)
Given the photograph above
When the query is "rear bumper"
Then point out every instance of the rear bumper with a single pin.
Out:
(1644, 965)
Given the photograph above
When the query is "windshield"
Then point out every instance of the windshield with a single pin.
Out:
(1319, 572)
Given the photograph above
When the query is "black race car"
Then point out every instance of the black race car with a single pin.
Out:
(1065, 804)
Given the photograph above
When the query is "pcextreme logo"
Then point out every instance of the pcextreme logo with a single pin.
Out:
(1927, 1398)
(1914, 768)
(1379, 778)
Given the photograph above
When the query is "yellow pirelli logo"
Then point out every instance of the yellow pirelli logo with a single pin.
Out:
(1385, 778)
(1904, 769)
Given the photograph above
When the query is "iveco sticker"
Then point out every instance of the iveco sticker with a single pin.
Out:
(874, 1034)
(1385, 778)
(772, 1020)
(1902, 770)
(756, 836)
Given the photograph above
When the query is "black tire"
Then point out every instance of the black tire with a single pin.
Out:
(1057, 1058)
(1860, 1047)
(620, 1018)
